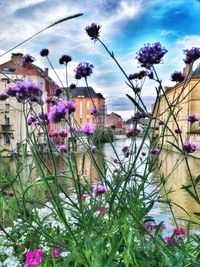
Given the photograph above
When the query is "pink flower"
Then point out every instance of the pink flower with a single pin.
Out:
(170, 240)
(164, 226)
(56, 253)
(179, 231)
(84, 196)
(33, 257)
(63, 148)
(149, 225)
(63, 133)
(93, 149)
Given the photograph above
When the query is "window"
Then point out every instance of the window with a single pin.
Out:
(6, 139)
(7, 121)
(7, 107)
(81, 109)
(8, 70)
(88, 105)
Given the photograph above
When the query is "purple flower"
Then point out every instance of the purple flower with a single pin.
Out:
(99, 189)
(33, 257)
(113, 127)
(53, 133)
(189, 147)
(138, 75)
(143, 154)
(191, 55)
(93, 31)
(161, 122)
(63, 148)
(138, 116)
(3, 96)
(93, 149)
(63, 133)
(71, 106)
(83, 70)
(51, 100)
(72, 86)
(177, 77)
(94, 111)
(25, 90)
(87, 129)
(58, 111)
(151, 54)
(28, 58)
(58, 92)
(133, 132)
(192, 118)
(178, 131)
(155, 151)
(44, 52)
(31, 119)
(65, 59)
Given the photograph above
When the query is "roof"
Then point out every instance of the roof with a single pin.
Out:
(196, 73)
(87, 92)
(39, 71)
(113, 113)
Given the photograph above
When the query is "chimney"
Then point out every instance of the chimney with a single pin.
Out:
(187, 70)
(46, 71)
(17, 58)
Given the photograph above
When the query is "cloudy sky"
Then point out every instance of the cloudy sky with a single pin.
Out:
(126, 26)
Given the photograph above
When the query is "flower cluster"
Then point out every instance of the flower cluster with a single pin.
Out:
(139, 115)
(138, 75)
(99, 189)
(177, 235)
(44, 52)
(177, 77)
(60, 109)
(178, 131)
(133, 132)
(33, 257)
(58, 92)
(192, 118)
(156, 151)
(191, 55)
(151, 54)
(189, 147)
(87, 129)
(25, 91)
(65, 59)
(93, 31)
(28, 58)
(83, 70)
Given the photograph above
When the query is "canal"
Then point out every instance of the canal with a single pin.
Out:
(183, 205)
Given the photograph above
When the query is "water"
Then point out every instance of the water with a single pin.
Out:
(182, 204)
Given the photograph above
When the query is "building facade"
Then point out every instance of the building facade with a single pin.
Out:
(184, 100)
(12, 122)
(90, 108)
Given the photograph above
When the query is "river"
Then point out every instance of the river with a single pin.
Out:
(160, 212)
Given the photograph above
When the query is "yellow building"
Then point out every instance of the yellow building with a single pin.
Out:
(175, 105)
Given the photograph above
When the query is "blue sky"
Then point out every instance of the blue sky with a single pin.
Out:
(126, 26)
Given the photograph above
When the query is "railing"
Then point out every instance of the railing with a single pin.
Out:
(6, 128)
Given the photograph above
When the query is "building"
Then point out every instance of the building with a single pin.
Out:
(116, 122)
(184, 100)
(12, 122)
(90, 108)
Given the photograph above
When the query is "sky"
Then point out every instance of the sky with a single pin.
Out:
(127, 25)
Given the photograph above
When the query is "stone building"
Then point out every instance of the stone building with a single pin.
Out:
(87, 100)
(188, 94)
